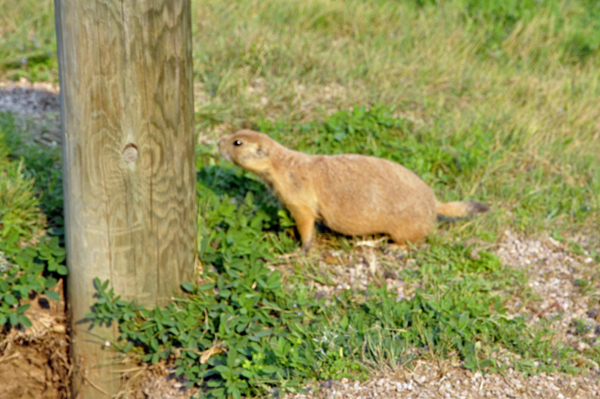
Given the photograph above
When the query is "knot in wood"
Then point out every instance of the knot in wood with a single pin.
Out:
(130, 153)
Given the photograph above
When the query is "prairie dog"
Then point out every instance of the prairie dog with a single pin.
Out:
(352, 194)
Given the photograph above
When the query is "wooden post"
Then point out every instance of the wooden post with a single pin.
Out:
(129, 163)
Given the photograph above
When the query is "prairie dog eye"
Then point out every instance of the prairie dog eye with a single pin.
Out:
(237, 142)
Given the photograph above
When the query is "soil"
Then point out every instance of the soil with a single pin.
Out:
(34, 362)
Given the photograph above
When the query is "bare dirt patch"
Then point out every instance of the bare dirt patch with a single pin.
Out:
(34, 362)
(155, 382)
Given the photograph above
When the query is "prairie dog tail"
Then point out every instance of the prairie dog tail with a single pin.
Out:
(460, 209)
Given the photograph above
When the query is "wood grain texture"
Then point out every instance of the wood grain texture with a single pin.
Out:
(129, 160)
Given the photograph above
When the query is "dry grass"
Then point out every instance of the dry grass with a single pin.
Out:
(534, 104)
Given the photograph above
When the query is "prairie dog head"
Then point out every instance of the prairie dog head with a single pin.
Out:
(247, 149)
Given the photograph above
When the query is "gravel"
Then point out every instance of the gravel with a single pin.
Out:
(36, 108)
(564, 276)
(565, 281)
(433, 381)
(37, 99)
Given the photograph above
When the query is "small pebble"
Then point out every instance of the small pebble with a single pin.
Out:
(592, 313)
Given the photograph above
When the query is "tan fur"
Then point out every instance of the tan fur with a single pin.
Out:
(352, 194)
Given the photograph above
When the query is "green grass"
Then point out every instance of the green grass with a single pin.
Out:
(503, 82)
(493, 101)
(30, 261)
(27, 40)
(20, 213)
(40, 168)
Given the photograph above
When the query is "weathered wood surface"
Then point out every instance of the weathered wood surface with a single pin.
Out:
(129, 161)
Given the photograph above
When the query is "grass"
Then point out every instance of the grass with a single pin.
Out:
(20, 213)
(30, 261)
(468, 74)
(493, 101)
(27, 40)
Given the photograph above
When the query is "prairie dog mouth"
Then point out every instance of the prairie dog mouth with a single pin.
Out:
(224, 154)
